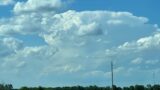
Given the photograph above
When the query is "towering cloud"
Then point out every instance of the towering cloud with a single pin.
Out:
(76, 46)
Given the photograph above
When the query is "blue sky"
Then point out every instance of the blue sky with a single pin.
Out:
(71, 42)
(146, 8)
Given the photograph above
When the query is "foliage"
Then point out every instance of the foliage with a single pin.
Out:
(136, 87)
(6, 87)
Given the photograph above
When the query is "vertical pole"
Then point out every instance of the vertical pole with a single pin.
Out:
(154, 78)
(112, 73)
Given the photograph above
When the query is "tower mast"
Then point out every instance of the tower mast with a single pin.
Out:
(112, 74)
(154, 78)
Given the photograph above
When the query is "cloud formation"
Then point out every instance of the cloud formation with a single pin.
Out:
(6, 2)
(9, 45)
(77, 46)
(37, 6)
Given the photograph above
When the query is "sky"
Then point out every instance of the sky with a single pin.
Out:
(72, 42)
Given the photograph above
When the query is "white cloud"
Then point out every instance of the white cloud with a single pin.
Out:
(137, 61)
(12, 43)
(6, 2)
(79, 43)
(141, 54)
(149, 42)
(153, 62)
(9, 45)
(96, 23)
(37, 6)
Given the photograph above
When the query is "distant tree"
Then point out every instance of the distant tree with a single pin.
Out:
(126, 88)
(149, 87)
(131, 88)
(136, 87)
(139, 87)
(107, 88)
(156, 87)
(114, 87)
(119, 88)
(6, 87)
(40, 88)
(24, 88)
(93, 87)
(58, 88)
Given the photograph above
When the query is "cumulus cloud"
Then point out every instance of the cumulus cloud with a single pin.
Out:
(6, 2)
(137, 61)
(149, 42)
(9, 45)
(37, 6)
(78, 44)
(142, 51)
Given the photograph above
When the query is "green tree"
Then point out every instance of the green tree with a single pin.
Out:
(126, 88)
(6, 87)
(156, 87)
(139, 87)
(131, 88)
(24, 88)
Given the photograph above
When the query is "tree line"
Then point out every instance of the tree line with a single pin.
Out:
(6, 87)
(135, 87)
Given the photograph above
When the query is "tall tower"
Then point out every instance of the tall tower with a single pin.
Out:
(154, 78)
(112, 74)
